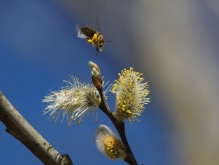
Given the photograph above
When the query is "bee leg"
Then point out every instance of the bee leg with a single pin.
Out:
(97, 49)
(101, 48)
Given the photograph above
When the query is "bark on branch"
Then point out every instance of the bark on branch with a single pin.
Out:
(19, 128)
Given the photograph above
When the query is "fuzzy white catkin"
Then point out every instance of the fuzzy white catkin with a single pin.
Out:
(76, 101)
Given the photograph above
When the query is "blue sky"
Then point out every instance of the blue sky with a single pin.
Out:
(38, 50)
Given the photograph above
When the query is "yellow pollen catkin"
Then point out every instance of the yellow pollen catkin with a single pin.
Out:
(130, 94)
(111, 146)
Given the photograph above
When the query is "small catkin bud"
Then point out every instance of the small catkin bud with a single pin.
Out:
(96, 76)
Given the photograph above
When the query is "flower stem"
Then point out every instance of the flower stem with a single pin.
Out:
(120, 127)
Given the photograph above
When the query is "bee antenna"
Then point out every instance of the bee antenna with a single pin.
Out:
(98, 25)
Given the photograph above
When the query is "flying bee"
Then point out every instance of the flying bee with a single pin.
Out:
(93, 37)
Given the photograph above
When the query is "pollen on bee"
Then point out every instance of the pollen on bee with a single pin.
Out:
(90, 41)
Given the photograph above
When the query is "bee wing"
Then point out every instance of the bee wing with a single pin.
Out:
(88, 31)
(80, 33)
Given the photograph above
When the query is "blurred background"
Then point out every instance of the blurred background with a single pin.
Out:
(173, 42)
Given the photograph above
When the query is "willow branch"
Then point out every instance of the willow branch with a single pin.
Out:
(120, 127)
(20, 129)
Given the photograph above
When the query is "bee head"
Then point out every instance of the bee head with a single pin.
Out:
(100, 38)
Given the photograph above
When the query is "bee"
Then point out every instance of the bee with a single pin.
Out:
(93, 37)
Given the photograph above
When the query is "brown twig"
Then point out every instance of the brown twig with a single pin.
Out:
(120, 127)
(19, 128)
